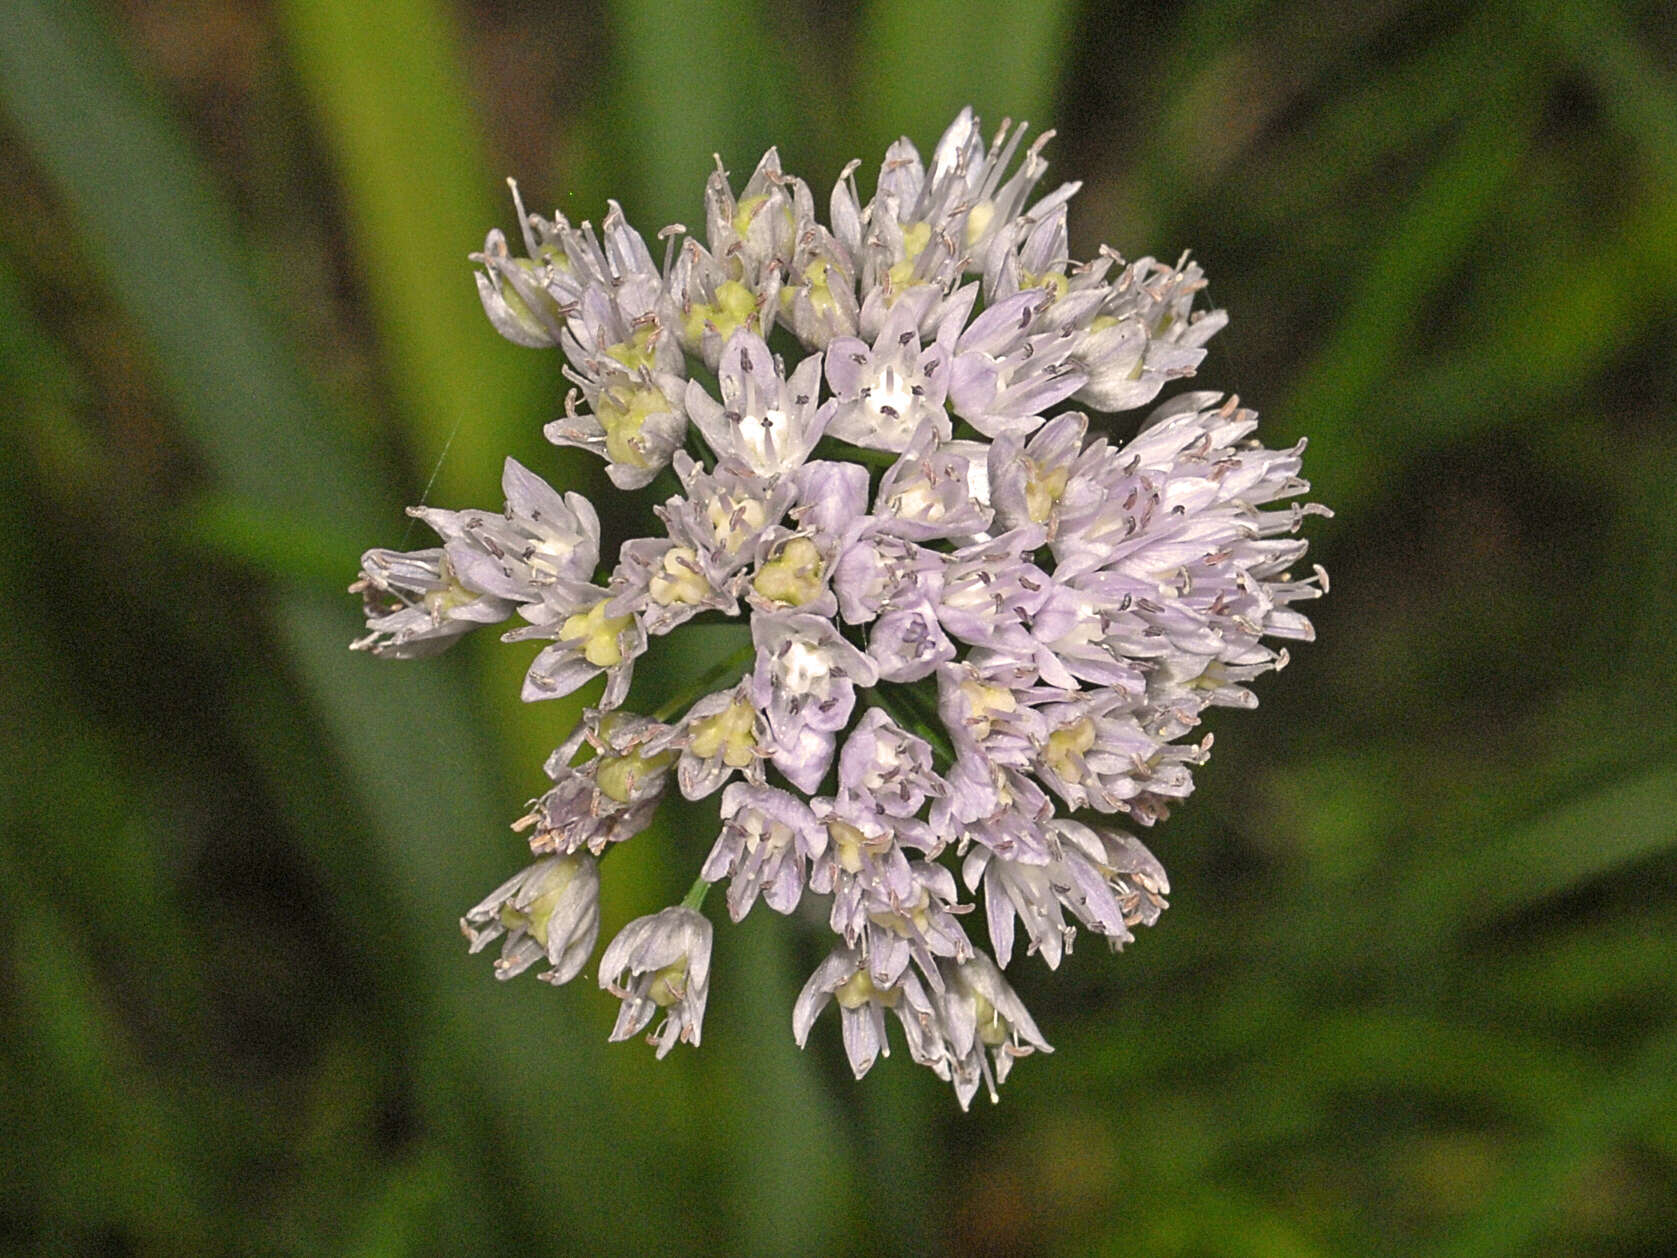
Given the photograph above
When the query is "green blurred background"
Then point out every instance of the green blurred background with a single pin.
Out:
(1416, 993)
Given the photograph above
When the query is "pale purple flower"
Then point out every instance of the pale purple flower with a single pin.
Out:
(1028, 482)
(907, 643)
(725, 512)
(954, 644)
(1011, 365)
(1145, 335)
(1108, 881)
(768, 839)
(1130, 871)
(903, 909)
(805, 682)
(832, 500)
(660, 962)
(710, 302)
(609, 797)
(766, 421)
(888, 390)
(594, 631)
(970, 185)
(991, 589)
(635, 421)
(523, 554)
(417, 606)
(928, 493)
(844, 976)
(550, 911)
(722, 734)
(879, 570)
(978, 1011)
(672, 581)
(887, 766)
(517, 293)
(515, 297)
(818, 294)
(760, 228)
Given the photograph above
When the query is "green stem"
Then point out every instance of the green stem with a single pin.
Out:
(695, 897)
(699, 448)
(705, 683)
(843, 451)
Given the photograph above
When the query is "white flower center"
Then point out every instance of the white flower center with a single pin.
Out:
(551, 554)
(890, 398)
(918, 502)
(887, 759)
(761, 832)
(1088, 628)
(766, 437)
(804, 667)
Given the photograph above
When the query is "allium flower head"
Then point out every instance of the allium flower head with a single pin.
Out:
(979, 623)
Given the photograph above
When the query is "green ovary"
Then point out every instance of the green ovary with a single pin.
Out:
(623, 412)
(915, 238)
(669, 985)
(1054, 281)
(734, 520)
(619, 776)
(735, 307)
(818, 285)
(859, 989)
(534, 920)
(992, 1027)
(1066, 747)
(748, 209)
(636, 352)
(1043, 490)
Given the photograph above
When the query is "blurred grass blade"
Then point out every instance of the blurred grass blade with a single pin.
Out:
(165, 245)
(696, 79)
(1427, 243)
(1513, 867)
(1634, 89)
(115, 1145)
(388, 93)
(919, 63)
(1376, 120)
(1513, 1217)
(1570, 321)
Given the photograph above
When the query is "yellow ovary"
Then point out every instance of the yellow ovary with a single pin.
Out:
(793, 577)
(731, 733)
(599, 634)
(679, 580)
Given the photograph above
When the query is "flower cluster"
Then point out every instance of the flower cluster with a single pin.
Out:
(980, 637)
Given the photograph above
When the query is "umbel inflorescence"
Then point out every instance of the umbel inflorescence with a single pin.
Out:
(980, 637)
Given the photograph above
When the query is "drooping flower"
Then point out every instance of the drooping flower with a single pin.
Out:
(984, 627)
(844, 977)
(551, 910)
(660, 962)
(978, 1012)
